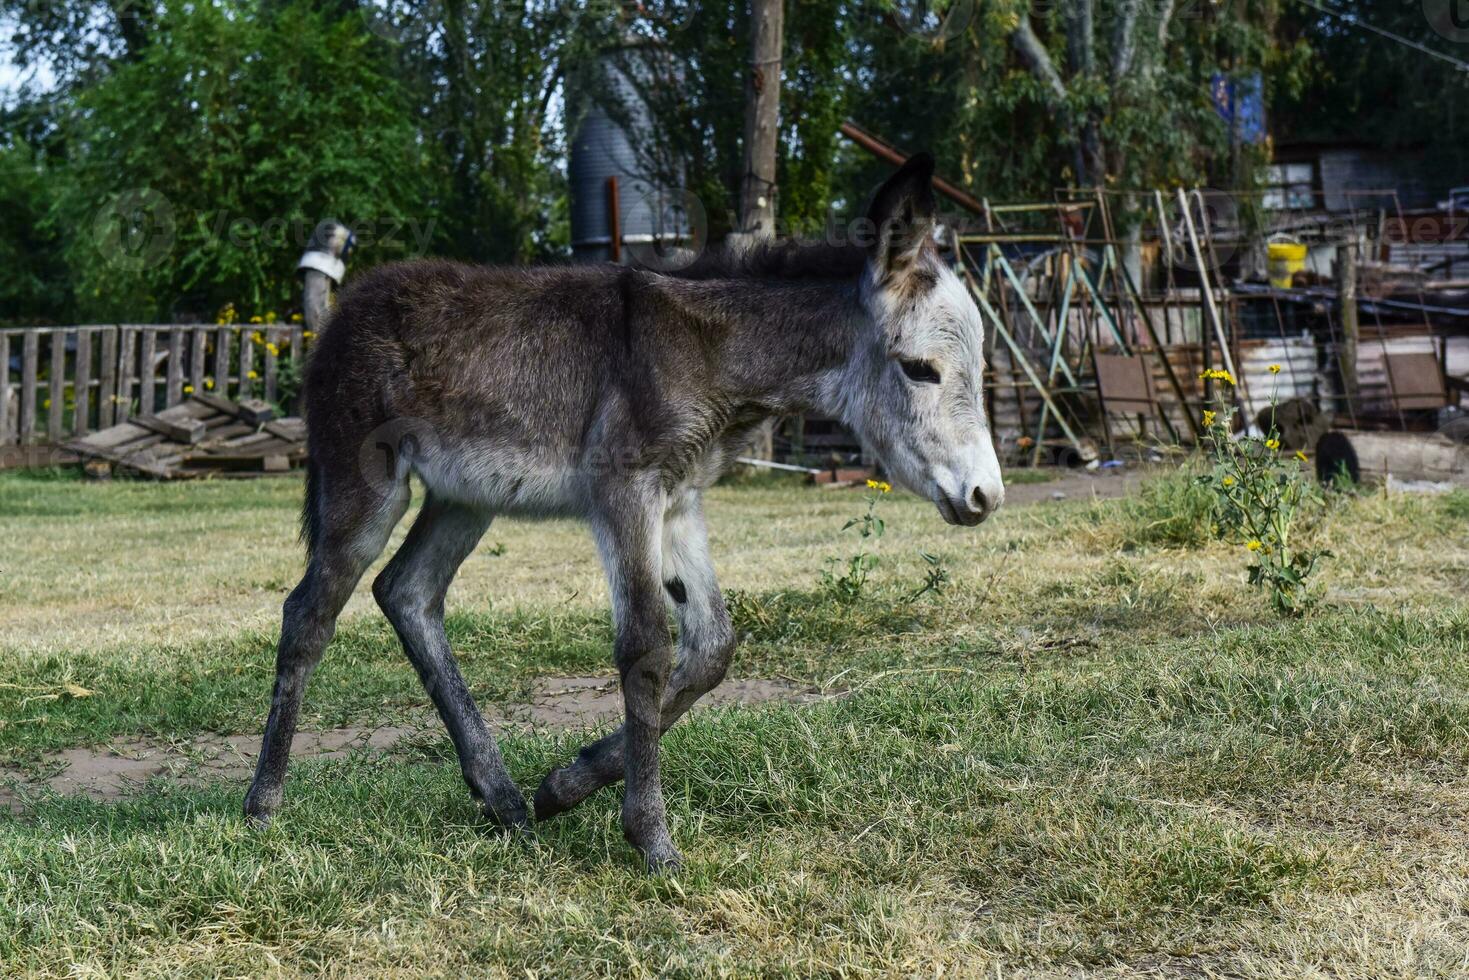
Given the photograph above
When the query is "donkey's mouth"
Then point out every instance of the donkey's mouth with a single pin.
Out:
(958, 515)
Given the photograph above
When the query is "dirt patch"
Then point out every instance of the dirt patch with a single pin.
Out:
(112, 771)
(1080, 485)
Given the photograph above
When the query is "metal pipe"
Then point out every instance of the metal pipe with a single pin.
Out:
(878, 148)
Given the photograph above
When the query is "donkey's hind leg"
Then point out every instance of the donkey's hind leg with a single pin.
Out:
(411, 592)
(353, 529)
(706, 642)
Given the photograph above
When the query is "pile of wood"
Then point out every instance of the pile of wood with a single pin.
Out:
(202, 436)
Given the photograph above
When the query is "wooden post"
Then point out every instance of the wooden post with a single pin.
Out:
(4, 388)
(29, 354)
(107, 378)
(272, 338)
(174, 389)
(56, 388)
(222, 342)
(148, 373)
(762, 117)
(614, 220)
(81, 420)
(247, 362)
(1346, 291)
(125, 357)
(198, 358)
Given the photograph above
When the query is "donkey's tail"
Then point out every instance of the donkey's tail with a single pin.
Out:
(310, 507)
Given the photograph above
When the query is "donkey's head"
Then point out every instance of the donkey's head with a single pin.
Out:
(917, 371)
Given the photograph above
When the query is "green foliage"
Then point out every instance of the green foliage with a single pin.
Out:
(29, 249)
(1456, 504)
(1258, 499)
(845, 579)
(195, 173)
(1378, 92)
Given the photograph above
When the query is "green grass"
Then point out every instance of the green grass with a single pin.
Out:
(1096, 752)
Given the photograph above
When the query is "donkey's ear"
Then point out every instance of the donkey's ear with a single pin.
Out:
(902, 212)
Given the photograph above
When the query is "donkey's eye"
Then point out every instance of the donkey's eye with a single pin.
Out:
(921, 372)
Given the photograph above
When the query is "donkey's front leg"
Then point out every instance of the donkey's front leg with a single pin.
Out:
(629, 534)
(706, 641)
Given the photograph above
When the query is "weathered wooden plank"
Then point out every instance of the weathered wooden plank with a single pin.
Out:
(289, 429)
(81, 419)
(249, 410)
(107, 379)
(126, 357)
(185, 430)
(222, 342)
(56, 388)
(247, 365)
(198, 354)
(5, 419)
(272, 348)
(173, 392)
(29, 354)
(148, 373)
(112, 437)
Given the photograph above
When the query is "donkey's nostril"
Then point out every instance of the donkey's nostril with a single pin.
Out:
(981, 503)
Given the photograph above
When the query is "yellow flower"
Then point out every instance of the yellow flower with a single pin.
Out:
(1228, 481)
(1272, 444)
(307, 334)
(274, 350)
(226, 315)
(253, 375)
(188, 389)
(1208, 417)
(295, 318)
(46, 403)
(256, 319)
(270, 317)
(1275, 369)
(257, 338)
(879, 486)
(208, 384)
(1254, 546)
(1301, 456)
(1224, 376)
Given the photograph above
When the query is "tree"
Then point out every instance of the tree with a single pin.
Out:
(1379, 90)
(193, 174)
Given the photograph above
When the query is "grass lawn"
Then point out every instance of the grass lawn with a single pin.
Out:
(1096, 753)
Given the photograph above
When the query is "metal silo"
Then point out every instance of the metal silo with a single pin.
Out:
(610, 116)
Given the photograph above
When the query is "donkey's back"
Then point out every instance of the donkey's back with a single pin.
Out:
(489, 383)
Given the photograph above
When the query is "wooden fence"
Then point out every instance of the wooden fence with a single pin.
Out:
(74, 380)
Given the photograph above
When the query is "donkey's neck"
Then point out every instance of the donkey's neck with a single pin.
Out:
(781, 345)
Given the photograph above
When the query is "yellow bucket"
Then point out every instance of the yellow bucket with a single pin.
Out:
(1286, 259)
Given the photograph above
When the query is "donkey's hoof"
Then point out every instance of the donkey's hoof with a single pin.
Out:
(260, 807)
(664, 860)
(547, 803)
(506, 809)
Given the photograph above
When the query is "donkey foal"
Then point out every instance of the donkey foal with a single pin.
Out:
(614, 395)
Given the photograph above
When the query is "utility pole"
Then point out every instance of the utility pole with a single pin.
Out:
(762, 117)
